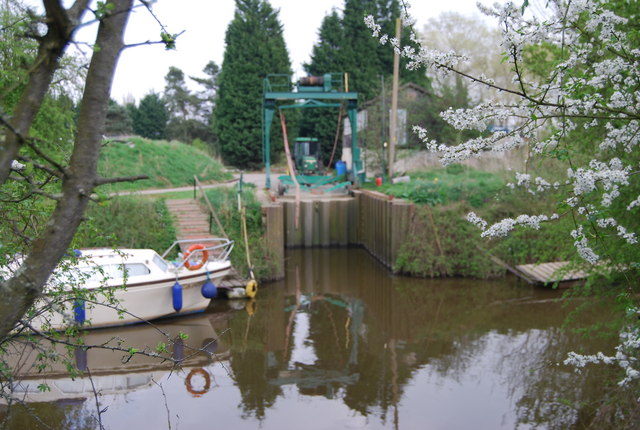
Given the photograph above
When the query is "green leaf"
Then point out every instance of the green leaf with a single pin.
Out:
(169, 40)
(43, 387)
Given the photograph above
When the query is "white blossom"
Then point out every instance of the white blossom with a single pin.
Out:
(625, 356)
(582, 246)
(634, 204)
(595, 87)
(476, 220)
(502, 228)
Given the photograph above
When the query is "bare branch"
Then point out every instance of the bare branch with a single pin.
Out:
(59, 172)
(95, 396)
(103, 181)
(151, 42)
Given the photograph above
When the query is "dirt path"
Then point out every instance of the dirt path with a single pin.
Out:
(256, 178)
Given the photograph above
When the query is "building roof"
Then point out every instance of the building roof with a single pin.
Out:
(402, 88)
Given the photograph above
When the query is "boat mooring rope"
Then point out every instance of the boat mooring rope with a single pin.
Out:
(252, 285)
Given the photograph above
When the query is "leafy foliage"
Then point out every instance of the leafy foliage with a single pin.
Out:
(443, 244)
(118, 120)
(255, 47)
(225, 201)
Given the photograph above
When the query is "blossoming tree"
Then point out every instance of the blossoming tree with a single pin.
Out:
(582, 110)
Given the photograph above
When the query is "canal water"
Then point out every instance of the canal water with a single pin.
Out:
(339, 344)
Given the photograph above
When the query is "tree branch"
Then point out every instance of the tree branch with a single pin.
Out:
(60, 27)
(103, 181)
(151, 42)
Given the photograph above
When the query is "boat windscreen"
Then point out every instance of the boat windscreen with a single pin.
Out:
(159, 261)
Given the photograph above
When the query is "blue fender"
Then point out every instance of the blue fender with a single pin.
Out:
(79, 312)
(176, 292)
(209, 289)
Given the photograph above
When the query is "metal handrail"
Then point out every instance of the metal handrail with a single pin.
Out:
(225, 244)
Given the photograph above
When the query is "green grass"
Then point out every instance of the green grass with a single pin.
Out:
(167, 164)
(224, 199)
(127, 222)
(455, 183)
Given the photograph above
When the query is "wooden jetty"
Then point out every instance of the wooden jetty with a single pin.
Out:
(540, 273)
(548, 273)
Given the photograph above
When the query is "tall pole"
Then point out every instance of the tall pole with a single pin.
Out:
(383, 122)
(393, 135)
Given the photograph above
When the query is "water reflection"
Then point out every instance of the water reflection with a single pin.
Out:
(403, 352)
(342, 344)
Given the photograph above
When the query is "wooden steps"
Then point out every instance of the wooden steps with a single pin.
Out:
(191, 222)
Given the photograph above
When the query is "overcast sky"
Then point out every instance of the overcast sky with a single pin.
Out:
(204, 22)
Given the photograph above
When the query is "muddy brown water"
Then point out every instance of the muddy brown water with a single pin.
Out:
(339, 344)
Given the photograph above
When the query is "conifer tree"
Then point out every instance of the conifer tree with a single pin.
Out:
(255, 47)
(178, 99)
(118, 120)
(150, 118)
(345, 45)
(330, 54)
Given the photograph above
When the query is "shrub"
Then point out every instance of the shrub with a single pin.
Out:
(225, 201)
(444, 243)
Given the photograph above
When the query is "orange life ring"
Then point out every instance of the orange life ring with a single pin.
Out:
(203, 260)
(207, 382)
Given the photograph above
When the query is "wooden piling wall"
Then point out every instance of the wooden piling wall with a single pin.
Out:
(273, 220)
(368, 219)
(384, 225)
(321, 223)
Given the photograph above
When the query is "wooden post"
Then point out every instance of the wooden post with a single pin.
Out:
(393, 134)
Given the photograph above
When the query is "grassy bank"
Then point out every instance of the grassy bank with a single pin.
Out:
(224, 200)
(167, 164)
(446, 244)
(127, 222)
(442, 186)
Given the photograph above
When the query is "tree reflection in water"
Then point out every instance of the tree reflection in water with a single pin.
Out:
(372, 336)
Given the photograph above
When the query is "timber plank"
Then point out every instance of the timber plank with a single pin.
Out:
(549, 272)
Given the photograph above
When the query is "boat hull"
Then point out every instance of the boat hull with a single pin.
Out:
(133, 303)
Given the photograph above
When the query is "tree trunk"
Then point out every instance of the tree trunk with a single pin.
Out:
(20, 291)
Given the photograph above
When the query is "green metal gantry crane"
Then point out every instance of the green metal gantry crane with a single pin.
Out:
(312, 92)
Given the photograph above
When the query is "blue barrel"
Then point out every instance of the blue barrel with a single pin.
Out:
(341, 168)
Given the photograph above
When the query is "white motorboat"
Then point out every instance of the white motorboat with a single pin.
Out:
(112, 287)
